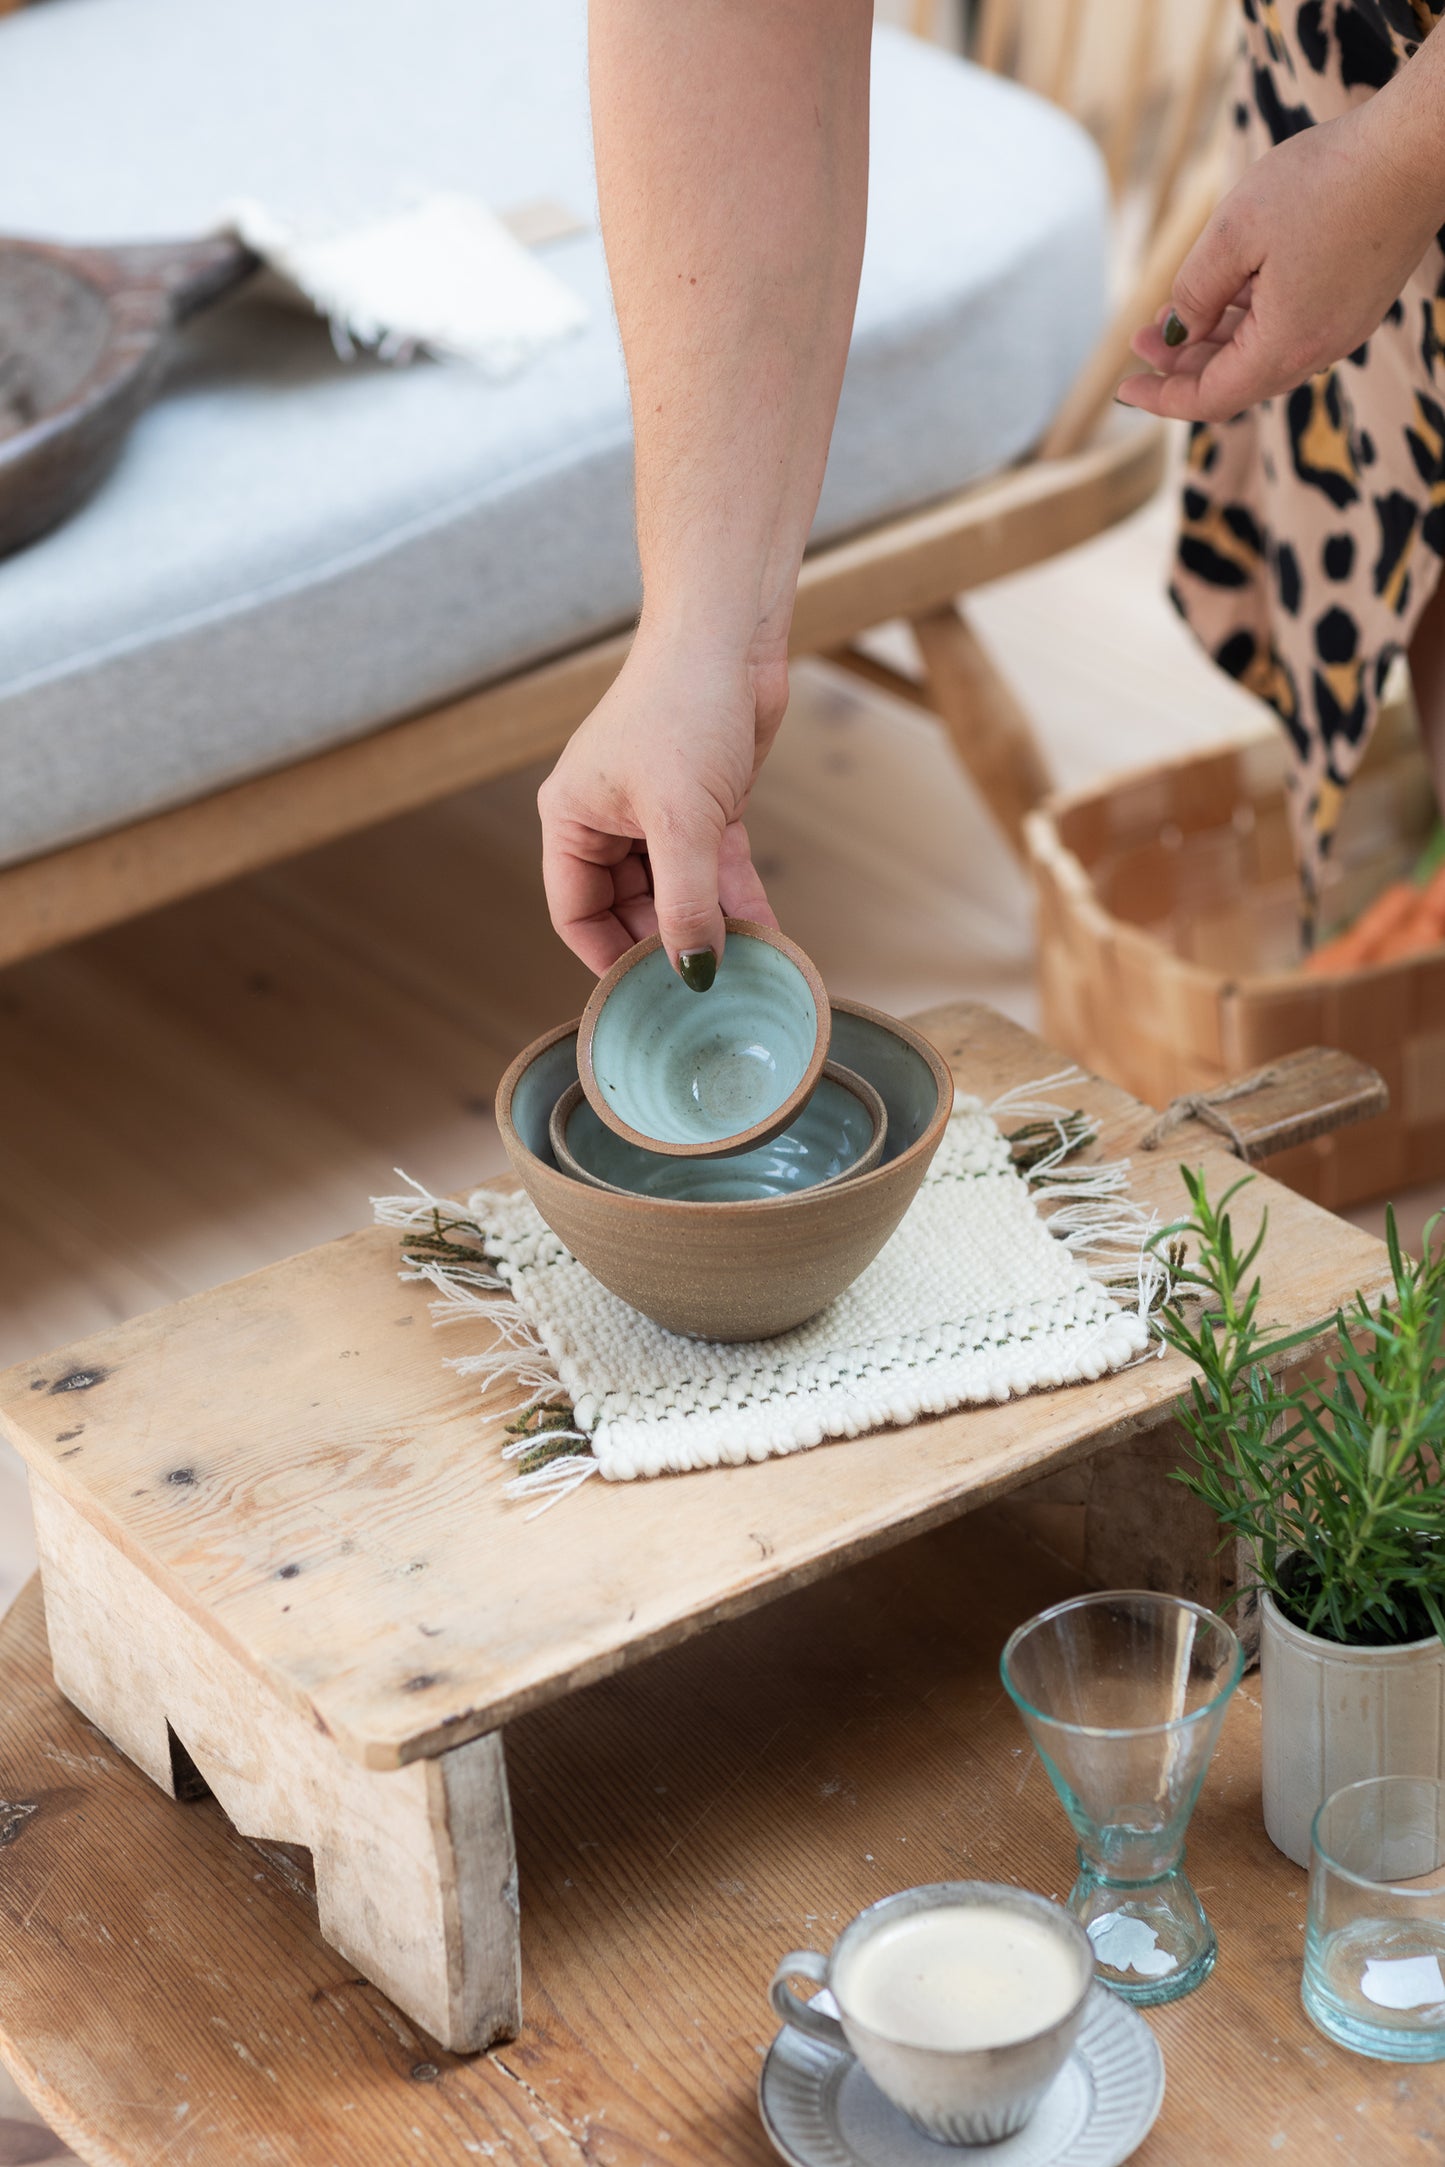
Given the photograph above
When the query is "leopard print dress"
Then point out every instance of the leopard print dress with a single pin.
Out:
(1313, 525)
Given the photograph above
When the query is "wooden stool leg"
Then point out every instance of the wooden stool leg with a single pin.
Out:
(1119, 1520)
(989, 727)
(415, 1868)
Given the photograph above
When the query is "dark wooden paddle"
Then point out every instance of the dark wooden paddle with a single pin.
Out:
(85, 338)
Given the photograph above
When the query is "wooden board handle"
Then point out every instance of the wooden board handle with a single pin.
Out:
(1289, 1101)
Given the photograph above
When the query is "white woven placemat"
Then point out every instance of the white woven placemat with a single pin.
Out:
(982, 1293)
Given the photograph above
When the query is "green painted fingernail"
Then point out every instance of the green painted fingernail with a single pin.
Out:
(697, 969)
(1176, 331)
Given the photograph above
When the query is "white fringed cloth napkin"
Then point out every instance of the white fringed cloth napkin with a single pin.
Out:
(983, 1293)
(443, 275)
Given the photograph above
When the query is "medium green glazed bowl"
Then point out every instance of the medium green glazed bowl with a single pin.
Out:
(840, 1132)
(704, 1075)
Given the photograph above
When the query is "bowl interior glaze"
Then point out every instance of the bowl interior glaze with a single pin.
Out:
(843, 1130)
(537, 1091)
(897, 1071)
(697, 1071)
(866, 1044)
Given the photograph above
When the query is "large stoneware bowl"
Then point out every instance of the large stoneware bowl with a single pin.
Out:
(744, 1270)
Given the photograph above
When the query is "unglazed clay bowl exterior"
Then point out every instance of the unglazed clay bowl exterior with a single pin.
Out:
(841, 1132)
(742, 1270)
(704, 1075)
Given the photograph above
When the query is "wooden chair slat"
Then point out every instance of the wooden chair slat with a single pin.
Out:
(1066, 52)
(1185, 125)
(1121, 143)
(997, 39)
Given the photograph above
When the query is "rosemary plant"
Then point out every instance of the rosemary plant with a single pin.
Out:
(1336, 1484)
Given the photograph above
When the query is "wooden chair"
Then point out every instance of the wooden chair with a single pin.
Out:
(1083, 479)
(1158, 118)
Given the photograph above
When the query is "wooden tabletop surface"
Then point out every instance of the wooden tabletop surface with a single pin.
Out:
(289, 1459)
(166, 2001)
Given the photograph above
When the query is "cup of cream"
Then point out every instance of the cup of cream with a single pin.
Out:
(962, 2001)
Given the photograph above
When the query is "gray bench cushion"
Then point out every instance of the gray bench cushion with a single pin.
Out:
(294, 550)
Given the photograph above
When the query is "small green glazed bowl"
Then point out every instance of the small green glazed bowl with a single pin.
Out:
(840, 1132)
(705, 1075)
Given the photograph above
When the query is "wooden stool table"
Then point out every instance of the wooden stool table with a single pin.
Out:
(278, 1563)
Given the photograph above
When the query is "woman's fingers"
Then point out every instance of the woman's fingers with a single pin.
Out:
(606, 891)
(1208, 281)
(631, 880)
(1240, 300)
(1151, 345)
(684, 843)
(633, 904)
(580, 870)
(740, 887)
(1199, 342)
(642, 816)
(638, 918)
(1230, 379)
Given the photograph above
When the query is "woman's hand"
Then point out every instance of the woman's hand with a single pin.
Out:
(642, 817)
(732, 175)
(1301, 260)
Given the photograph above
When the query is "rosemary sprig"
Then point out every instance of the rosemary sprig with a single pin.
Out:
(536, 1421)
(1062, 1137)
(439, 1244)
(543, 1422)
(1336, 1484)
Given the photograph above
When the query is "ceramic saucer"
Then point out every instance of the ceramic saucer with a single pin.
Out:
(820, 2110)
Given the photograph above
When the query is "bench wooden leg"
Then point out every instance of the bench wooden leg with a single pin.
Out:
(415, 1868)
(987, 722)
(1122, 1522)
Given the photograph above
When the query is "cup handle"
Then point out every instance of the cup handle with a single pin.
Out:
(805, 1964)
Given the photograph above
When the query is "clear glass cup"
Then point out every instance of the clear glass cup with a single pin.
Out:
(1374, 1972)
(1123, 1695)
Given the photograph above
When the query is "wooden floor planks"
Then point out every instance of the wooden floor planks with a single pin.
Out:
(678, 1828)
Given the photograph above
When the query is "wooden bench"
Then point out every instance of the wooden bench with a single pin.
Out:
(276, 1550)
(1156, 113)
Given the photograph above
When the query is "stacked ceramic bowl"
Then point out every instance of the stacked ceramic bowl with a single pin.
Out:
(727, 1162)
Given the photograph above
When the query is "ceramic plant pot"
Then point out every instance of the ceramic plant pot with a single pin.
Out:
(840, 1133)
(745, 1270)
(705, 1075)
(1334, 1715)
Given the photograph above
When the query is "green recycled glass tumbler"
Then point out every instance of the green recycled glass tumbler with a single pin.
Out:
(1123, 1695)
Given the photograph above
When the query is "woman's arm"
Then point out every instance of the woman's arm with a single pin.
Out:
(732, 168)
(1302, 259)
